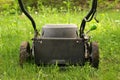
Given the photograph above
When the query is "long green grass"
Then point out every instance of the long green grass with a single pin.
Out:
(17, 28)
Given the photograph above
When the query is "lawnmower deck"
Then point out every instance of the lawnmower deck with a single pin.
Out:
(59, 50)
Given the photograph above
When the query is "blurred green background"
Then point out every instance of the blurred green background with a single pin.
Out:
(75, 5)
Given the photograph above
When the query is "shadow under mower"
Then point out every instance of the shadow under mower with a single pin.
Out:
(61, 44)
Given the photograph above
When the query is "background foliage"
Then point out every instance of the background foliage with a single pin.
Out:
(12, 5)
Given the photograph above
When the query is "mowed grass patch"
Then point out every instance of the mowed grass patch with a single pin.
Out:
(17, 28)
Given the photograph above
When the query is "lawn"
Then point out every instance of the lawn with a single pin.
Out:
(16, 28)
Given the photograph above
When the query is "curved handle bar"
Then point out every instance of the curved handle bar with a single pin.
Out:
(88, 18)
(28, 15)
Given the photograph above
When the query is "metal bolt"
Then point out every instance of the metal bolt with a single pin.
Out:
(40, 42)
(77, 41)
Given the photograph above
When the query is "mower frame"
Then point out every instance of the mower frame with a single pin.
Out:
(67, 47)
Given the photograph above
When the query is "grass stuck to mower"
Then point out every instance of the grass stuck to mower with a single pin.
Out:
(62, 44)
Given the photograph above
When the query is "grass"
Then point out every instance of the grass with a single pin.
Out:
(17, 28)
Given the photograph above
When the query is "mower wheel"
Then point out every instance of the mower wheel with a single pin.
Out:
(24, 52)
(94, 57)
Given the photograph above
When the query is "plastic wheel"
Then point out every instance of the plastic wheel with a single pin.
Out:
(94, 57)
(24, 52)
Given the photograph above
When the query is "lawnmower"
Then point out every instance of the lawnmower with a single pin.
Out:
(61, 44)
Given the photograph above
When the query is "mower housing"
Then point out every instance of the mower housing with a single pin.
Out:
(59, 44)
(62, 44)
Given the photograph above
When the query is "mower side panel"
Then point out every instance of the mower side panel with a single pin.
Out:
(62, 51)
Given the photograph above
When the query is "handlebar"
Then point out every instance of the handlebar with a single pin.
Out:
(88, 18)
(28, 15)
